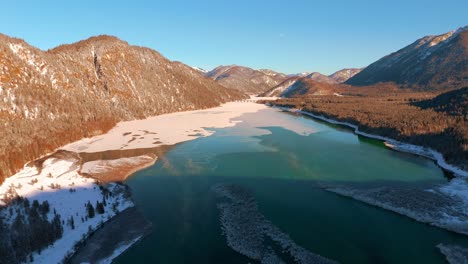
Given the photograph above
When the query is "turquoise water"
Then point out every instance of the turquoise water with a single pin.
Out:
(284, 168)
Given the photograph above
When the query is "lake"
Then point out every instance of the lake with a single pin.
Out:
(283, 161)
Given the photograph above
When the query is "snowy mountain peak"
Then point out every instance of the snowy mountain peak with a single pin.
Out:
(201, 70)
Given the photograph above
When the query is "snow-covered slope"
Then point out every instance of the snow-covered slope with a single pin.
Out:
(314, 84)
(202, 71)
(344, 74)
(280, 88)
(58, 182)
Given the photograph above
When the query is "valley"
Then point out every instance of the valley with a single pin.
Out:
(109, 144)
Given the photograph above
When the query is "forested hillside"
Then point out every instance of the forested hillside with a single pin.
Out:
(54, 97)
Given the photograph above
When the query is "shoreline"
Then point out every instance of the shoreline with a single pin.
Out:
(116, 170)
(54, 178)
(110, 240)
(111, 162)
(131, 146)
(391, 143)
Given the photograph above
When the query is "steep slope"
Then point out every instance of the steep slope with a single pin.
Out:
(53, 97)
(246, 79)
(344, 74)
(280, 88)
(295, 85)
(430, 63)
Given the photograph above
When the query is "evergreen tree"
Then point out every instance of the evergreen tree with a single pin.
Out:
(26, 202)
(90, 209)
(99, 207)
(72, 222)
(44, 208)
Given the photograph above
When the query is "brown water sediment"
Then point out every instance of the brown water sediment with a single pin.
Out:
(109, 172)
(124, 153)
(115, 171)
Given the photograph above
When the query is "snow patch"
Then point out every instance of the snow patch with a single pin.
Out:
(167, 129)
(281, 88)
(203, 71)
(34, 61)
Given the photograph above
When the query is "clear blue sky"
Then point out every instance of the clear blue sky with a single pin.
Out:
(288, 36)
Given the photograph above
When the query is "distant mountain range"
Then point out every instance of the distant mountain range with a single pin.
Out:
(430, 63)
(265, 81)
(317, 83)
(245, 79)
(49, 98)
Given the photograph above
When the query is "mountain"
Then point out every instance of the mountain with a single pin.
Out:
(54, 97)
(202, 71)
(430, 63)
(296, 82)
(245, 79)
(296, 86)
(316, 76)
(307, 86)
(343, 75)
(301, 74)
(280, 88)
(273, 73)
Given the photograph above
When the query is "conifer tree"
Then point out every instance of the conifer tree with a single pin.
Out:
(90, 209)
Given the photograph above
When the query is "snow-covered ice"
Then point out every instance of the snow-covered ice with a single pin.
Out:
(454, 254)
(442, 205)
(170, 129)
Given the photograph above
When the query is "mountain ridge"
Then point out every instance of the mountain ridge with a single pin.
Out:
(343, 75)
(246, 79)
(78, 90)
(435, 62)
